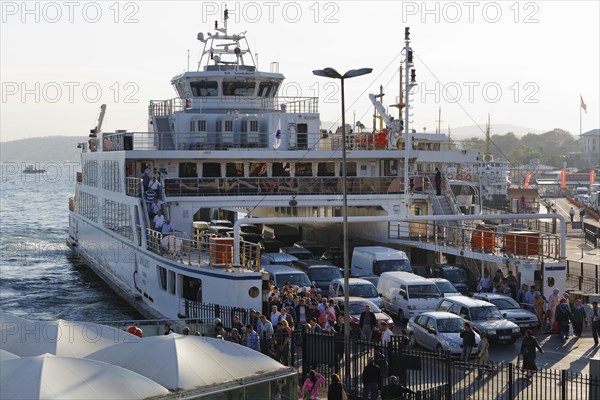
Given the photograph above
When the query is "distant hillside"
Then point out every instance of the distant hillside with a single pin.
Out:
(41, 149)
(464, 132)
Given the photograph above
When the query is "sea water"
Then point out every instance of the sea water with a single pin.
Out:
(40, 279)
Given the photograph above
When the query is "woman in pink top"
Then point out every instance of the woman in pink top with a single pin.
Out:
(311, 385)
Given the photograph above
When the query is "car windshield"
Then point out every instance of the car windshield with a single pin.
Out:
(484, 313)
(359, 307)
(294, 279)
(393, 265)
(455, 275)
(301, 255)
(317, 251)
(324, 274)
(446, 287)
(367, 291)
(505, 304)
(450, 325)
(423, 291)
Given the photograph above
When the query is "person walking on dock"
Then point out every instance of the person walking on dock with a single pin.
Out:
(311, 385)
(563, 317)
(483, 357)
(371, 378)
(528, 352)
(572, 214)
(595, 318)
(468, 337)
(578, 317)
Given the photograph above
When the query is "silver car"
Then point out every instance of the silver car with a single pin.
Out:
(510, 309)
(439, 331)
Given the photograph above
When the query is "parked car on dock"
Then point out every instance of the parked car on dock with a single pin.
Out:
(439, 331)
(484, 316)
(320, 273)
(510, 309)
(358, 288)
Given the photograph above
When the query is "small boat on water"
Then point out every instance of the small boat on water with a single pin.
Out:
(31, 170)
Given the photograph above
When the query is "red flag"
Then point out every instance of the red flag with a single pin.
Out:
(527, 179)
(583, 105)
(592, 177)
(563, 179)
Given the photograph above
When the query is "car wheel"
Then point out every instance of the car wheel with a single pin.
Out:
(413, 340)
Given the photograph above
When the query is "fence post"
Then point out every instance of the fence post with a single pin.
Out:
(448, 375)
(563, 384)
(304, 355)
(511, 375)
(596, 283)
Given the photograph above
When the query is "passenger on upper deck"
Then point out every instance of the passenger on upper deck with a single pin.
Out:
(159, 221)
(155, 185)
(167, 228)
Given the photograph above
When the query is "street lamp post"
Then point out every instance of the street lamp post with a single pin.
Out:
(332, 73)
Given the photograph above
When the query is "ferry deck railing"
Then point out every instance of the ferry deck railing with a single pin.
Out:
(181, 187)
(496, 240)
(203, 250)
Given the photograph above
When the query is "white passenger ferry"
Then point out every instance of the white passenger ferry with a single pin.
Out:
(229, 144)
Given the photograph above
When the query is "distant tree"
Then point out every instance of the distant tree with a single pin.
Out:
(503, 145)
(473, 144)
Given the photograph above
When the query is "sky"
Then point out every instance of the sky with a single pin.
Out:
(525, 63)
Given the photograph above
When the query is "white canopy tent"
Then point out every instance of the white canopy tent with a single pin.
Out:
(61, 338)
(50, 377)
(5, 355)
(188, 362)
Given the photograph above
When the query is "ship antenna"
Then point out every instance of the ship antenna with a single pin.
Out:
(225, 18)
(410, 80)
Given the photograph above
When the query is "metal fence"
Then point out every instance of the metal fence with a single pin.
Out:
(432, 376)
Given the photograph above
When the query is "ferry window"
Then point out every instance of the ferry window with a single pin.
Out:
(326, 169)
(258, 169)
(228, 126)
(303, 169)
(253, 126)
(281, 169)
(211, 170)
(192, 126)
(350, 169)
(188, 170)
(162, 277)
(202, 125)
(234, 169)
(267, 89)
(172, 282)
(239, 88)
(204, 88)
(388, 168)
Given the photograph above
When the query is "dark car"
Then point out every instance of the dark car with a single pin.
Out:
(269, 246)
(316, 250)
(298, 252)
(462, 279)
(334, 255)
(319, 272)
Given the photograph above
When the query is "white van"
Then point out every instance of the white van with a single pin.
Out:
(407, 295)
(375, 260)
(282, 274)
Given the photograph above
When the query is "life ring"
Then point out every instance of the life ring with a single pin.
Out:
(450, 176)
(459, 177)
(468, 177)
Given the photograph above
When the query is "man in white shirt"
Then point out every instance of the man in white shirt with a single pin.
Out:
(148, 170)
(275, 316)
(156, 205)
(264, 328)
(386, 336)
(159, 221)
(154, 185)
